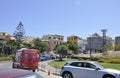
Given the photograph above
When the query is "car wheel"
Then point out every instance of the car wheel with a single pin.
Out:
(13, 65)
(67, 75)
(33, 70)
(108, 76)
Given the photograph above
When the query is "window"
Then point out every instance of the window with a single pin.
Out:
(88, 65)
(77, 64)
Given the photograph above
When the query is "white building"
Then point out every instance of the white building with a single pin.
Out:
(82, 45)
(95, 42)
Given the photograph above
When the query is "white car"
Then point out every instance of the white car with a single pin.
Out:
(86, 69)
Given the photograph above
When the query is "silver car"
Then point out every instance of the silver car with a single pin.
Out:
(86, 69)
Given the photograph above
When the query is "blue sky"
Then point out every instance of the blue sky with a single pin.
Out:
(63, 17)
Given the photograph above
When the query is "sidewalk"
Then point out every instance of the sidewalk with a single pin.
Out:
(45, 69)
(45, 75)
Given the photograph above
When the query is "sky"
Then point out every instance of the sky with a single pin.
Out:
(64, 17)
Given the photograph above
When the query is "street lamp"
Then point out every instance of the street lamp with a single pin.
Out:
(104, 37)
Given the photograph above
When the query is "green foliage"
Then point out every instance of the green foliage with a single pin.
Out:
(79, 58)
(110, 65)
(20, 32)
(108, 46)
(62, 50)
(110, 60)
(117, 47)
(40, 45)
(5, 58)
(72, 47)
(27, 45)
(7, 47)
(59, 64)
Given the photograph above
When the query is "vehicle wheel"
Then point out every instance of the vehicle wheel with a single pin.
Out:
(108, 76)
(67, 75)
(33, 70)
(13, 65)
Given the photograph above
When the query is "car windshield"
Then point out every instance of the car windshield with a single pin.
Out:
(34, 75)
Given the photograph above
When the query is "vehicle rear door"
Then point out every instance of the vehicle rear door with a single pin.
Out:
(90, 71)
(77, 69)
(30, 59)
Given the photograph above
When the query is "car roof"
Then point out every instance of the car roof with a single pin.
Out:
(80, 61)
(10, 73)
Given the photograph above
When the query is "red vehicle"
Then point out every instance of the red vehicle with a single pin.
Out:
(26, 59)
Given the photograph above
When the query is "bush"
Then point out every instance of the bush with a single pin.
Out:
(79, 58)
(110, 60)
(5, 58)
(95, 58)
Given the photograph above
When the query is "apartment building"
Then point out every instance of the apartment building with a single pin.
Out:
(73, 39)
(82, 44)
(53, 40)
(95, 42)
(117, 40)
(4, 36)
(79, 41)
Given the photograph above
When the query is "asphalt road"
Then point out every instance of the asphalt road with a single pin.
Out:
(5, 64)
(42, 72)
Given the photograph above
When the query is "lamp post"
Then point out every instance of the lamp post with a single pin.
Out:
(90, 48)
(104, 37)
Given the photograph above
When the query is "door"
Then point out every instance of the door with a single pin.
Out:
(77, 69)
(91, 72)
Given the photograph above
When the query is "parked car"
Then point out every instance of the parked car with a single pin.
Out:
(85, 69)
(18, 73)
(43, 58)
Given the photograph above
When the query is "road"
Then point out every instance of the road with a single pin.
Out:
(42, 72)
(5, 64)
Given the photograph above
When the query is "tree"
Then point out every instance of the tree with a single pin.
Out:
(2, 48)
(117, 47)
(73, 47)
(11, 47)
(40, 45)
(108, 46)
(62, 50)
(27, 45)
(19, 34)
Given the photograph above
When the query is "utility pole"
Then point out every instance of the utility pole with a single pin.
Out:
(104, 37)
(90, 48)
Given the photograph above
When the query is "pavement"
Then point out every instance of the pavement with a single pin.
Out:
(45, 75)
(47, 71)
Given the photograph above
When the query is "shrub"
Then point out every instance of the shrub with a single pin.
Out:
(5, 58)
(95, 58)
(110, 60)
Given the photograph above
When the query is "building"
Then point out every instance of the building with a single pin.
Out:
(95, 42)
(73, 39)
(4, 36)
(53, 40)
(82, 44)
(117, 40)
(29, 39)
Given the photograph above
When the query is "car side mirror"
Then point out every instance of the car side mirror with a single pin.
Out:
(97, 69)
